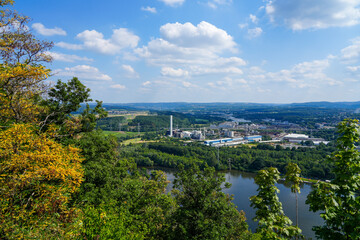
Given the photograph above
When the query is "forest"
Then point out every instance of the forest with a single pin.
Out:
(61, 178)
(312, 161)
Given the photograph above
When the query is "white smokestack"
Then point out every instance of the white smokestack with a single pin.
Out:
(171, 126)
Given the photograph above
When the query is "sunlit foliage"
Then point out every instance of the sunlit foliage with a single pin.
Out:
(339, 201)
(273, 224)
(21, 75)
(37, 177)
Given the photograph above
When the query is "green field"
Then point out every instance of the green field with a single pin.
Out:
(122, 134)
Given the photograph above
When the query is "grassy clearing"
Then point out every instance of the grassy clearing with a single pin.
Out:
(131, 115)
(133, 141)
(122, 133)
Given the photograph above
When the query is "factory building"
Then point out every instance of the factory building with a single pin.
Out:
(198, 135)
(298, 138)
(229, 134)
(228, 125)
(253, 138)
(223, 140)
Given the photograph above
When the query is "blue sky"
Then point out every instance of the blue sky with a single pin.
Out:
(263, 51)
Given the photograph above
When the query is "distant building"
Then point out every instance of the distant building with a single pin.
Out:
(298, 138)
(253, 138)
(295, 136)
(229, 134)
(197, 135)
(186, 134)
(227, 125)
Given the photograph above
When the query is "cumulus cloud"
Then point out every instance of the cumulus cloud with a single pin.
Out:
(69, 46)
(227, 83)
(187, 44)
(185, 50)
(310, 14)
(196, 70)
(253, 18)
(302, 75)
(187, 84)
(204, 35)
(243, 25)
(173, 3)
(120, 39)
(93, 40)
(149, 9)
(67, 57)
(215, 3)
(171, 72)
(83, 72)
(129, 71)
(147, 83)
(353, 68)
(254, 32)
(118, 86)
(41, 29)
(351, 53)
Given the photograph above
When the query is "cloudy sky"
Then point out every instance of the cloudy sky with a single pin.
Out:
(266, 51)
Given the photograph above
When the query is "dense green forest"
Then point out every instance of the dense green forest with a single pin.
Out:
(312, 161)
(110, 123)
(162, 121)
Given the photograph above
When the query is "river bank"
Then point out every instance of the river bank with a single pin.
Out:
(243, 187)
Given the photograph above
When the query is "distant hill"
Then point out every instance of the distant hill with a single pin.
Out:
(185, 106)
(337, 105)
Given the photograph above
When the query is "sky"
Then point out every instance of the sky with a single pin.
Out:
(263, 51)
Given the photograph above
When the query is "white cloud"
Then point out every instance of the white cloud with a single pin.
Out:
(187, 84)
(67, 57)
(173, 3)
(171, 72)
(302, 75)
(147, 83)
(254, 32)
(215, 3)
(120, 39)
(228, 83)
(41, 29)
(310, 14)
(353, 68)
(149, 9)
(191, 52)
(118, 86)
(204, 35)
(352, 52)
(196, 70)
(129, 71)
(243, 25)
(253, 18)
(83, 71)
(69, 46)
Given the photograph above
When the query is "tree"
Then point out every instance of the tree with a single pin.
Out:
(21, 75)
(293, 176)
(273, 224)
(64, 99)
(339, 200)
(204, 211)
(115, 189)
(37, 177)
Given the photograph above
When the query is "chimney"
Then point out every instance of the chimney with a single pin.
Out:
(171, 126)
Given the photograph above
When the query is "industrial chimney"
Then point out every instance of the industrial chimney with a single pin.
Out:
(171, 126)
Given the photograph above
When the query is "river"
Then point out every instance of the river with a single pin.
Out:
(243, 187)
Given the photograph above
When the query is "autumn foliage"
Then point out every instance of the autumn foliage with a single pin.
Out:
(37, 176)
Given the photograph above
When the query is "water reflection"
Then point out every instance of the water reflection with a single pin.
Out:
(243, 187)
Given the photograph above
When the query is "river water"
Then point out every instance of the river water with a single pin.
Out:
(243, 187)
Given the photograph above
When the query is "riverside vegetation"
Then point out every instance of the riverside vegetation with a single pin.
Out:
(60, 178)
